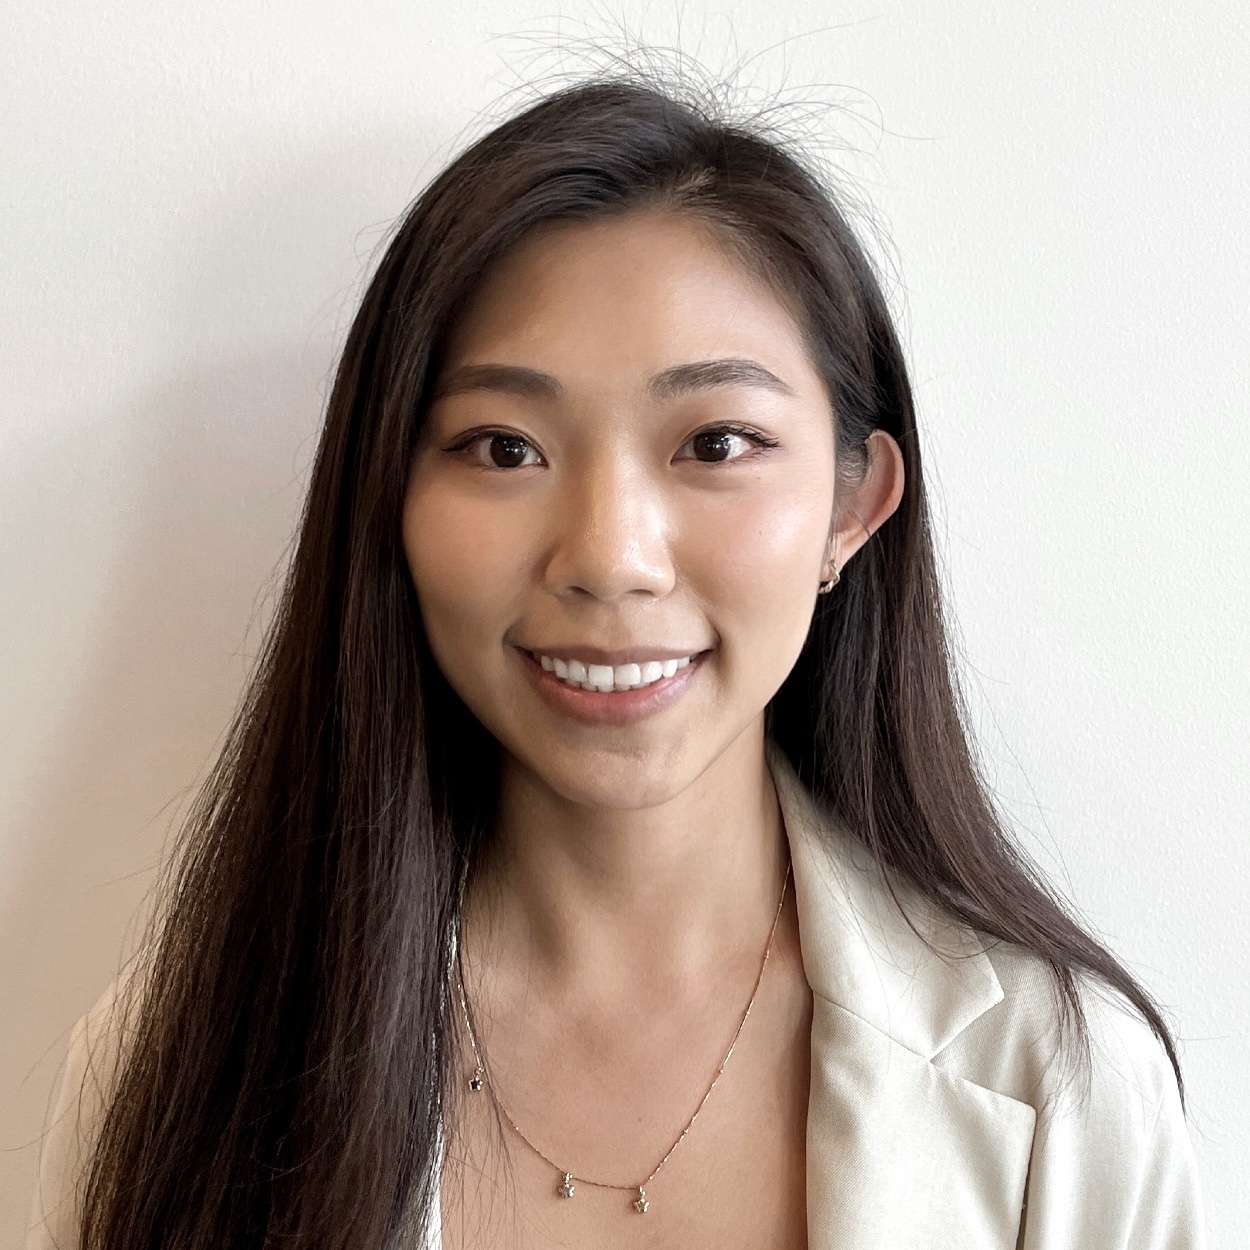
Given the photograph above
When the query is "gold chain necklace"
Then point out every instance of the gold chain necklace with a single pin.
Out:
(568, 1181)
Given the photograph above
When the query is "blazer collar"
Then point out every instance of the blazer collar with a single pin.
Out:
(859, 951)
(902, 1152)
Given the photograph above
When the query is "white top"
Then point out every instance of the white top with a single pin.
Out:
(936, 1116)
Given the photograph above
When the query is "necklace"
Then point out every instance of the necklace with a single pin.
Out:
(568, 1182)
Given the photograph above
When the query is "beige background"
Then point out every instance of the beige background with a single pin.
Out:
(190, 198)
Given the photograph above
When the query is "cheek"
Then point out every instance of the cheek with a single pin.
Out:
(771, 535)
(760, 565)
(462, 562)
(773, 540)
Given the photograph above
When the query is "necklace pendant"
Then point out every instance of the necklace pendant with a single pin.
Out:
(567, 1188)
(640, 1203)
(475, 1081)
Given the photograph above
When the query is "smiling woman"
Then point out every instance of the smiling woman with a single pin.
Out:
(599, 838)
(628, 481)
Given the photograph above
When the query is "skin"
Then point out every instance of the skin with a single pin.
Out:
(615, 932)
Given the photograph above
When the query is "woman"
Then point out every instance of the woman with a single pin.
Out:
(598, 857)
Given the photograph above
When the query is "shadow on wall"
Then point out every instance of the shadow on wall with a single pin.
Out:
(215, 460)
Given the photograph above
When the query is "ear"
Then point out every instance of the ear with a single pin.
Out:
(865, 509)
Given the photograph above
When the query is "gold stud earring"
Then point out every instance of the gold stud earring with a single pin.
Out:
(826, 587)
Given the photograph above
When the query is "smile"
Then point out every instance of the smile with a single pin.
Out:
(610, 695)
(605, 677)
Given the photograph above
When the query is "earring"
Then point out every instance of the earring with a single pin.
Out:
(826, 587)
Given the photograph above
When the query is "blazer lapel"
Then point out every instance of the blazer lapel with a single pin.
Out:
(901, 1154)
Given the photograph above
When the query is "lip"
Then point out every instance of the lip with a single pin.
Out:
(612, 707)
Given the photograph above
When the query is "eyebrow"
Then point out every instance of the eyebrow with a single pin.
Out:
(506, 379)
(688, 379)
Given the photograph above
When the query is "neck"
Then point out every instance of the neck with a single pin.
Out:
(622, 896)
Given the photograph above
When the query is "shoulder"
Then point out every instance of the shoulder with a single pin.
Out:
(1112, 1161)
(86, 1081)
(1019, 1046)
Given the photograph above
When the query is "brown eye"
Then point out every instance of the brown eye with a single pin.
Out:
(503, 450)
(712, 445)
(507, 451)
(717, 445)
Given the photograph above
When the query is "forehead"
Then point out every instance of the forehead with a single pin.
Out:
(631, 292)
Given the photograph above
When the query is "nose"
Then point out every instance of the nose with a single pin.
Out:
(611, 532)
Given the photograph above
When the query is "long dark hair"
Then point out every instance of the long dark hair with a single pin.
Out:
(289, 1055)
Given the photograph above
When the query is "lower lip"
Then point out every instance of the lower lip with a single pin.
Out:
(608, 707)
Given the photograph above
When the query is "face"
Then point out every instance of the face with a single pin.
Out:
(629, 461)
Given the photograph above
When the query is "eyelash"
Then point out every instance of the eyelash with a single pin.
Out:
(762, 441)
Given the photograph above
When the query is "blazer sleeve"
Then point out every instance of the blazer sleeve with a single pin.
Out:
(70, 1132)
(1112, 1165)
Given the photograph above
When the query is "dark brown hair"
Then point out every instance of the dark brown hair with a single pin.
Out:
(289, 1060)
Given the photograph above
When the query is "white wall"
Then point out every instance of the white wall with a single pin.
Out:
(190, 196)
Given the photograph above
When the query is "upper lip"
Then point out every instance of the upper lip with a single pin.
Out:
(624, 655)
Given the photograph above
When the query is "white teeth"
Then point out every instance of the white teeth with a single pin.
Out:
(628, 676)
(604, 677)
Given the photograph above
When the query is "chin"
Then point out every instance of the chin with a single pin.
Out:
(627, 779)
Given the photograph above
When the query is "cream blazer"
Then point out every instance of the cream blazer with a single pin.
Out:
(939, 1116)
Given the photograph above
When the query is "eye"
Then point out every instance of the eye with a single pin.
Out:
(716, 445)
(503, 449)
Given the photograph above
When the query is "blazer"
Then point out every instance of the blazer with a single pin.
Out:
(942, 1115)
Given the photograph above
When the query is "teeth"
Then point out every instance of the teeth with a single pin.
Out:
(604, 677)
(598, 676)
